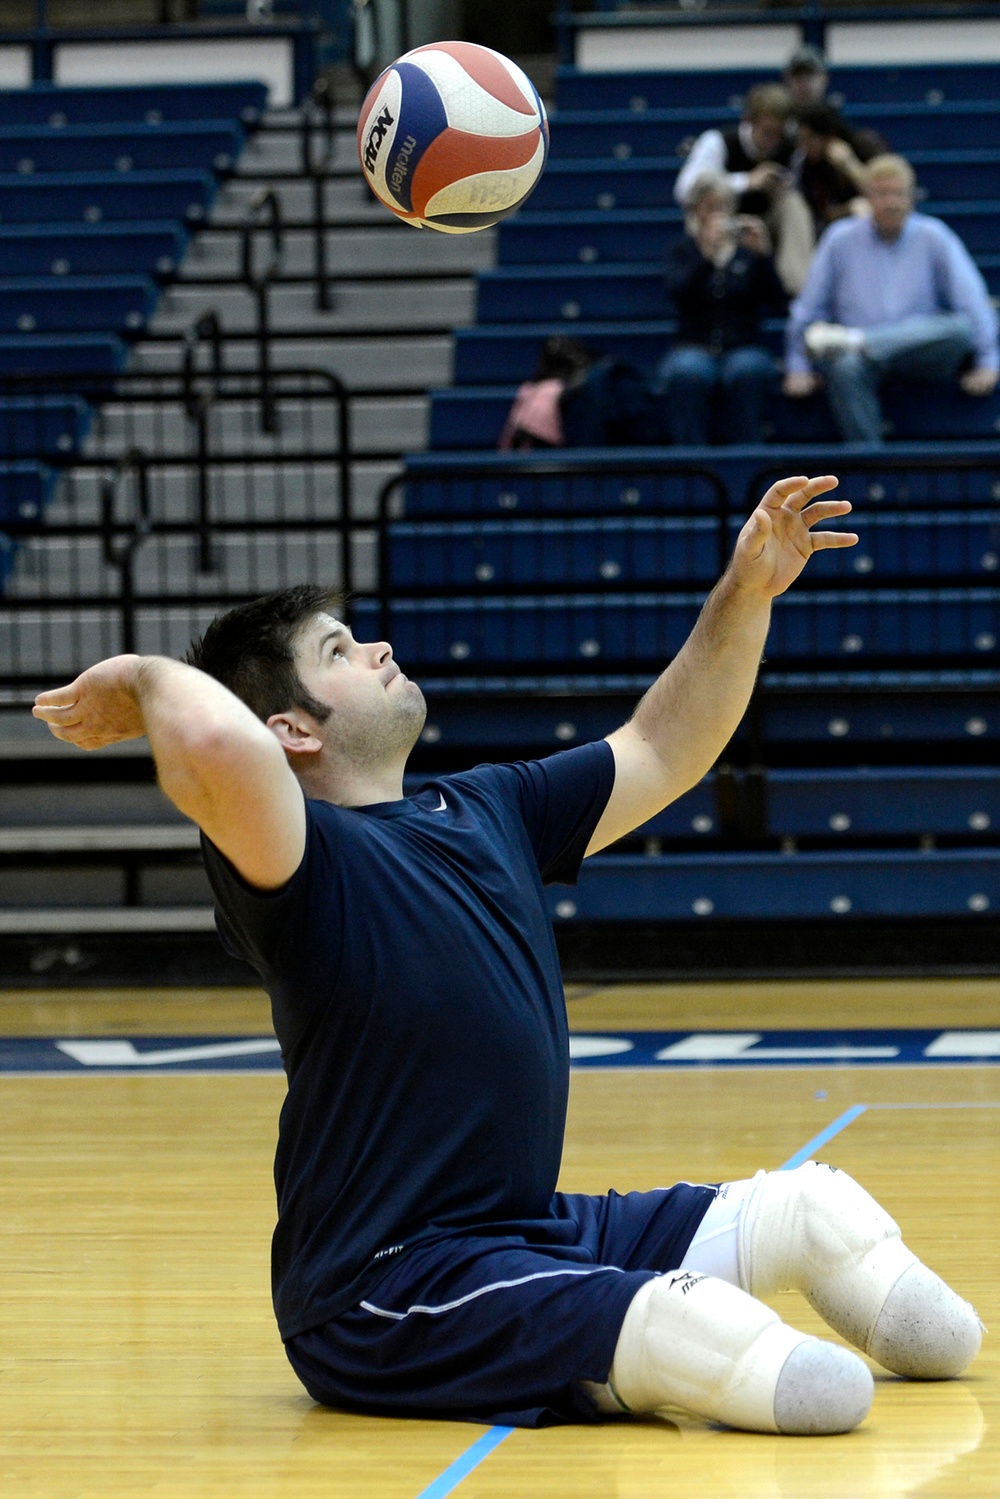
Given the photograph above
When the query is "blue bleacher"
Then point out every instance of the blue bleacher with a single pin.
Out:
(626, 236)
(24, 491)
(97, 197)
(42, 426)
(904, 801)
(65, 354)
(560, 631)
(473, 417)
(26, 149)
(99, 188)
(58, 106)
(718, 88)
(626, 133)
(90, 250)
(647, 182)
(83, 304)
(631, 887)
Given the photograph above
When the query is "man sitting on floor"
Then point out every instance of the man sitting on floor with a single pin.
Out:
(893, 294)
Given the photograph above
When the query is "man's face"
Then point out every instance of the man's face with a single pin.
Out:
(806, 86)
(376, 712)
(891, 199)
(710, 205)
(768, 133)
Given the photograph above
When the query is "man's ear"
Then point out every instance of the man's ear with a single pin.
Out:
(296, 733)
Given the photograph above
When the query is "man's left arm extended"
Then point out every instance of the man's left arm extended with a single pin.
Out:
(691, 712)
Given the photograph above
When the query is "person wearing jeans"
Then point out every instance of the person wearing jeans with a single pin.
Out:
(893, 294)
(722, 282)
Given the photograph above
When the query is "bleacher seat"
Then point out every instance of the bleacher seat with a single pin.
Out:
(150, 104)
(899, 800)
(24, 490)
(90, 250)
(890, 882)
(106, 197)
(473, 417)
(625, 133)
(42, 426)
(819, 626)
(68, 355)
(647, 182)
(544, 553)
(79, 304)
(27, 149)
(720, 88)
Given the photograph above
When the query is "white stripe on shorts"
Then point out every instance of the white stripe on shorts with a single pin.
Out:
(497, 1285)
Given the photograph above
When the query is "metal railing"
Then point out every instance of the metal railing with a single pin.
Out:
(178, 505)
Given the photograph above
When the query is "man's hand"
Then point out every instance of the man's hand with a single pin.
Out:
(979, 382)
(778, 540)
(754, 234)
(800, 383)
(767, 177)
(98, 709)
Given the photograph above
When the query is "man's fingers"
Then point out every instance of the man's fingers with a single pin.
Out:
(58, 697)
(795, 493)
(823, 540)
(53, 712)
(826, 510)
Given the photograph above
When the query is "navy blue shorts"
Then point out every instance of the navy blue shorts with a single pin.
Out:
(501, 1327)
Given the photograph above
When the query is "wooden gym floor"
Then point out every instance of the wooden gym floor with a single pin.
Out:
(138, 1355)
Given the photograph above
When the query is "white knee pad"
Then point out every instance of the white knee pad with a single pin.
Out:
(693, 1341)
(815, 1230)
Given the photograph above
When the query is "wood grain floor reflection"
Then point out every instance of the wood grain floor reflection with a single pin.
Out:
(139, 1354)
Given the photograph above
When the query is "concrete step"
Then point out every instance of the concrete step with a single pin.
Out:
(77, 919)
(241, 563)
(279, 150)
(347, 197)
(350, 252)
(74, 838)
(376, 304)
(420, 362)
(57, 890)
(378, 424)
(87, 804)
(259, 491)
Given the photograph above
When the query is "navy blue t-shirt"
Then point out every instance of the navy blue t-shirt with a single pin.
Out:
(416, 994)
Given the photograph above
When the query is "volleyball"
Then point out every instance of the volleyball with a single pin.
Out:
(452, 136)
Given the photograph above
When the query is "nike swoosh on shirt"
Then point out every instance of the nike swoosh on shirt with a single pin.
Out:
(444, 805)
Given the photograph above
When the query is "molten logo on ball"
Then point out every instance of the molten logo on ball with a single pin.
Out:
(453, 137)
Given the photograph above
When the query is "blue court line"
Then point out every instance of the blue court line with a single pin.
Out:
(840, 1123)
(463, 1466)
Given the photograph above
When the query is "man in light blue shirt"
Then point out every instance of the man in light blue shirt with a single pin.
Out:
(893, 294)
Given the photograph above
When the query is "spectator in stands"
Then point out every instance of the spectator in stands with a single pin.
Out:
(807, 80)
(535, 418)
(893, 294)
(829, 173)
(722, 281)
(756, 157)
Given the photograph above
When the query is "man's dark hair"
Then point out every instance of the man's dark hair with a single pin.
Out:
(251, 650)
(821, 119)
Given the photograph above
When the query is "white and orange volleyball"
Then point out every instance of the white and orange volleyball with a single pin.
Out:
(452, 136)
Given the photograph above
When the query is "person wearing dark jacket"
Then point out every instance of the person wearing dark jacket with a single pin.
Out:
(722, 282)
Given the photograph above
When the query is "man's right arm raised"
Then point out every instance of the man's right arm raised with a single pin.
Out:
(215, 760)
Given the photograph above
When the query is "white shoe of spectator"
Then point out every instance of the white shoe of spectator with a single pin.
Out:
(824, 339)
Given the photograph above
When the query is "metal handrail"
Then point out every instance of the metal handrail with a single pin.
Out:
(198, 401)
(259, 283)
(317, 170)
(120, 553)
